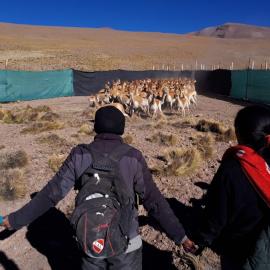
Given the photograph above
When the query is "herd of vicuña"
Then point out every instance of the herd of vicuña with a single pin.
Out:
(148, 97)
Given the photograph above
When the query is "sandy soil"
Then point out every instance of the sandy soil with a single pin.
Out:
(19, 251)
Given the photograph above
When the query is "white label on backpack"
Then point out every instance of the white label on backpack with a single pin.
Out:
(94, 196)
(97, 177)
(98, 245)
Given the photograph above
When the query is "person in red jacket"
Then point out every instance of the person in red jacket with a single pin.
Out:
(238, 199)
(109, 126)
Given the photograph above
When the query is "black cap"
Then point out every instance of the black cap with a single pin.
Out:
(108, 119)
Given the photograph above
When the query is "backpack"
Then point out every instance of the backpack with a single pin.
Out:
(104, 206)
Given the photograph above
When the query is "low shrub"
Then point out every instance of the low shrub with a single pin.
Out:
(128, 139)
(39, 127)
(181, 161)
(205, 145)
(52, 139)
(25, 115)
(86, 129)
(163, 139)
(12, 184)
(13, 160)
(227, 136)
(55, 161)
(209, 126)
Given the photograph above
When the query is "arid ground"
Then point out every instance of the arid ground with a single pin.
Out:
(42, 48)
(45, 135)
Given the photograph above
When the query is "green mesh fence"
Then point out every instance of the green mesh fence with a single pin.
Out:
(253, 85)
(30, 85)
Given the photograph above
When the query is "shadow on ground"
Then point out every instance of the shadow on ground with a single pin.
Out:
(52, 235)
(190, 216)
(154, 258)
(6, 263)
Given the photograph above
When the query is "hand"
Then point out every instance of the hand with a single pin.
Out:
(4, 222)
(189, 246)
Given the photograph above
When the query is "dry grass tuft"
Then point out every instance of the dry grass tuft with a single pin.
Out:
(49, 116)
(205, 145)
(25, 115)
(43, 108)
(86, 129)
(128, 139)
(209, 126)
(89, 113)
(181, 161)
(188, 122)
(12, 185)
(227, 136)
(224, 134)
(17, 159)
(156, 170)
(55, 161)
(52, 139)
(161, 123)
(75, 122)
(39, 127)
(2, 114)
(163, 139)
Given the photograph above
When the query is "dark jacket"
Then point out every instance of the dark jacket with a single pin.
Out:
(234, 213)
(134, 170)
(260, 257)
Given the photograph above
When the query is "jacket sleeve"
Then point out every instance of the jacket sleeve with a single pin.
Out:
(216, 210)
(49, 196)
(156, 205)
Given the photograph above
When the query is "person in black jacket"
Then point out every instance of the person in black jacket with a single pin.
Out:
(109, 126)
(238, 200)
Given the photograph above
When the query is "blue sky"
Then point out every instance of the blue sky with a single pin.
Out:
(151, 16)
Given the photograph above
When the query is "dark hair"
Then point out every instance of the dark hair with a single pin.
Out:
(252, 124)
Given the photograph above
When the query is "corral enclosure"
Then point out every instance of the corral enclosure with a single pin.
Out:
(247, 84)
(182, 152)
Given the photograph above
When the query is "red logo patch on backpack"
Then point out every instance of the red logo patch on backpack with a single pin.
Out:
(98, 246)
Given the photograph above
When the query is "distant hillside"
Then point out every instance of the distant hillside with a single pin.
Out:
(28, 47)
(234, 30)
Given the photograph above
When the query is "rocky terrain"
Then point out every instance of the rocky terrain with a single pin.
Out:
(235, 30)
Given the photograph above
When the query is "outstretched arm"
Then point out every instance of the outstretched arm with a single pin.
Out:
(49, 196)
